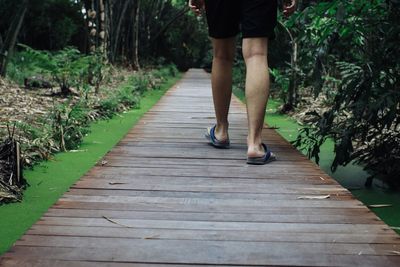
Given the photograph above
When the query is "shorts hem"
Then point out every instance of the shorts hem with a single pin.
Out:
(223, 36)
(270, 35)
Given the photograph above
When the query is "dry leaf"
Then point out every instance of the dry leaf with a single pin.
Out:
(115, 222)
(395, 252)
(314, 197)
(104, 162)
(380, 206)
(151, 237)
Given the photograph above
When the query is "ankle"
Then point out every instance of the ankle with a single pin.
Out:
(221, 131)
(222, 127)
(254, 142)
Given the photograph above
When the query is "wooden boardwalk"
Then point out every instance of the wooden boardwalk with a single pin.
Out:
(166, 197)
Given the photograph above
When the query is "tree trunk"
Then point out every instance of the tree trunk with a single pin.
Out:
(11, 37)
(92, 14)
(116, 35)
(102, 27)
(135, 36)
(292, 91)
(292, 94)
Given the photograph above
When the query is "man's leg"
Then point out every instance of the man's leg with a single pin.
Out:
(257, 91)
(223, 57)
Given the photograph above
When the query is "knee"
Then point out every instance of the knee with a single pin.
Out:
(224, 55)
(254, 53)
(255, 48)
(224, 49)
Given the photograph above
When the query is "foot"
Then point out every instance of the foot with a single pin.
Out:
(259, 155)
(221, 133)
(255, 151)
(215, 140)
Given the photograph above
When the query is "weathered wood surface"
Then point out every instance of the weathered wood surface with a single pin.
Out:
(165, 197)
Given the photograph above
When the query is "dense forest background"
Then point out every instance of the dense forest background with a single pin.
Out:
(123, 30)
(335, 66)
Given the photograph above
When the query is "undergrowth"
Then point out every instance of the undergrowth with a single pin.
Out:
(66, 123)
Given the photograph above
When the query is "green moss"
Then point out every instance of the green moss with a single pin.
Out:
(50, 180)
(351, 176)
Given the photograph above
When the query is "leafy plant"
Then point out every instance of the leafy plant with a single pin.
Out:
(281, 81)
(364, 117)
(68, 68)
(70, 124)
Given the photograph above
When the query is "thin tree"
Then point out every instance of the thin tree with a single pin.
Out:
(7, 48)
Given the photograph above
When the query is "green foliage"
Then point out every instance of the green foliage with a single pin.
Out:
(181, 39)
(239, 75)
(53, 24)
(67, 67)
(29, 62)
(355, 48)
(70, 123)
(129, 95)
(281, 81)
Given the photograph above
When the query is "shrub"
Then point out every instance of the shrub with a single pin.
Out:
(364, 116)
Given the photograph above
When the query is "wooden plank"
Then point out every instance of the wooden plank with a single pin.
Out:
(297, 188)
(125, 161)
(181, 252)
(254, 203)
(7, 262)
(210, 172)
(191, 208)
(218, 226)
(345, 217)
(184, 194)
(212, 235)
(247, 247)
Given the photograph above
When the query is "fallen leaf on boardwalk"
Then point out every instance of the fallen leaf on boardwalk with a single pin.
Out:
(314, 197)
(379, 206)
(395, 252)
(104, 162)
(115, 222)
(115, 183)
(151, 237)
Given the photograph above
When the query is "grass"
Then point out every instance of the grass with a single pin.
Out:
(50, 180)
(351, 176)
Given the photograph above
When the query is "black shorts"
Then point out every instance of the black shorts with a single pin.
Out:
(254, 18)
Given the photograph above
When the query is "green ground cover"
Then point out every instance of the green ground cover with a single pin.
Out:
(351, 177)
(49, 180)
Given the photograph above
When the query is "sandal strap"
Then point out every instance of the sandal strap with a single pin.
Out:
(267, 154)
